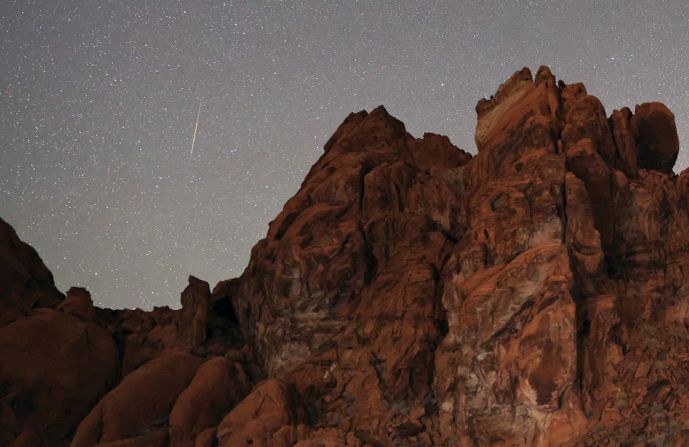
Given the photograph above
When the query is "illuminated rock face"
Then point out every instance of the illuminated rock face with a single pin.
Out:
(409, 294)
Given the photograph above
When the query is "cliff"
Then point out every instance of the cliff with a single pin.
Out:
(409, 294)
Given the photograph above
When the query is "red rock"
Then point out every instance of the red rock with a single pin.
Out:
(586, 163)
(207, 438)
(195, 308)
(370, 210)
(54, 368)
(518, 209)
(142, 336)
(78, 303)
(216, 388)
(584, 118)
(157, 438)
(142, 400)
(266, 417)
(329, 438)
(624, 141)
(583, 240)
(25, 282)
(410, 294)
(655, 133)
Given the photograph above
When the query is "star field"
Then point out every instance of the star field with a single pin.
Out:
(98, 103)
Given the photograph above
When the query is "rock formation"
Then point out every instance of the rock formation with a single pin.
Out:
(535, 294)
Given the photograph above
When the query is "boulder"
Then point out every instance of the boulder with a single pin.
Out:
(216, 388)
(655, 133)
(267, 417)
(140, 403)
(53, 369)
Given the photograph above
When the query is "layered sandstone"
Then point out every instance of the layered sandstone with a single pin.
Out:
(409, 294)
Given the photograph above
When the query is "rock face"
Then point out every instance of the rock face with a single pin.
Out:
(216, 388)
(25, 282)
(343, 296)
(535, 294)
(142, 399)
(655, 134)
(194, 321)
(54, 368)
(266, 417)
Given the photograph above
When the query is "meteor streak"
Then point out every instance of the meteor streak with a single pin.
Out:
(196, 128)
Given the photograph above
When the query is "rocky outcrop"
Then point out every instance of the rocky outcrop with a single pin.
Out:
(494, 316)
(55, 362)
(78, 303)
(534, 294)
(25, 282)
(655, 135)
(343, 296)
(218, 385)
(195, 309)
(141, 401)
(268, 416)
(54, 368)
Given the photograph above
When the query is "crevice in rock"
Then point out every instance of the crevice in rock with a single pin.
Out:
(582, 331)
(224, 309)
(563, 210)
(362, 187)
(582, 323)
(369, 257)
(286, 223)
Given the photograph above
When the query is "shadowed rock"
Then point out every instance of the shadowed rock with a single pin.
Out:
(653, 128)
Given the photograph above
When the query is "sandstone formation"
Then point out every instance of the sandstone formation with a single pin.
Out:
(25, 282)
(534, 294)
(140, 401)
(54, 368)
(218, 385)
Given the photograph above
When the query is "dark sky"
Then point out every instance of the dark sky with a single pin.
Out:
(98, 103)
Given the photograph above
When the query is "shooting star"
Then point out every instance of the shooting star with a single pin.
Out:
(196, 128)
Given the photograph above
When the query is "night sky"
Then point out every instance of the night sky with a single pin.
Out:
(98, 104)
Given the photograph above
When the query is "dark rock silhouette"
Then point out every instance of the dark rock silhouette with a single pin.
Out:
(536, 293)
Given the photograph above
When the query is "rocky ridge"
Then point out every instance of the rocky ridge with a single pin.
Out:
(409, 294)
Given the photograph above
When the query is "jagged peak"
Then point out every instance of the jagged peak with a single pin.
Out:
(352, 120)
(649, 134)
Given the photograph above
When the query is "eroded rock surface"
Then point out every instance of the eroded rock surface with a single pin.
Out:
(535, 294)
(268, 416)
